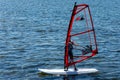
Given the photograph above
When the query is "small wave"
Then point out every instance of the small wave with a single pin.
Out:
(2, 56)
(41, 31)
(19, 18)
(114, 72)
(115, 50)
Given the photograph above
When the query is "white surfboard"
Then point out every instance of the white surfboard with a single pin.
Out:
(69, 72)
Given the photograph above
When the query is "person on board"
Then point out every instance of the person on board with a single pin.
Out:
(70, 53)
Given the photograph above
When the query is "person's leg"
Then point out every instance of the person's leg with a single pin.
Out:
(72, 60)
(74, 66)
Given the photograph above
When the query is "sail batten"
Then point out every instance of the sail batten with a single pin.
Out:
(82, 32)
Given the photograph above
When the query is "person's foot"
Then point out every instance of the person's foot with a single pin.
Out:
(76, 69)
(66, 69)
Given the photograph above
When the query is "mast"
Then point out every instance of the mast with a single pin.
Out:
(68, 38)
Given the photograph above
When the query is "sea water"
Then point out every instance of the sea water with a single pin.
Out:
(33, 32)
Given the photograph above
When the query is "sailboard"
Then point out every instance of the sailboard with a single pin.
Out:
(80, 30)
(69, 72)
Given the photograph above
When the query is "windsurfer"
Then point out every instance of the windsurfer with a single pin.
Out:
(70, 53)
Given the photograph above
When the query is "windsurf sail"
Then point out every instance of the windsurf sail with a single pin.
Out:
(81, 31)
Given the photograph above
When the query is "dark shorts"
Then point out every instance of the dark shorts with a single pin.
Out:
(71, 55)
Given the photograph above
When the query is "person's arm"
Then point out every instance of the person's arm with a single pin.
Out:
(75, 44)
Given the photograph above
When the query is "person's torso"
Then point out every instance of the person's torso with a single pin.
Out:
(70, 47)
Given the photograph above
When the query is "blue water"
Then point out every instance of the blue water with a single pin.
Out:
(32, 36)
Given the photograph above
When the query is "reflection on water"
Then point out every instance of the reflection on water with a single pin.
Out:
(69, 78)
(80, 77)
